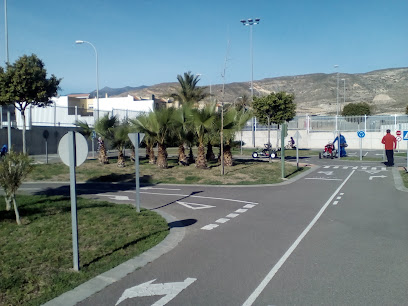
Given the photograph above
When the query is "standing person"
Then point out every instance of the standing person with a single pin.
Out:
(342, 144)
(390, 143)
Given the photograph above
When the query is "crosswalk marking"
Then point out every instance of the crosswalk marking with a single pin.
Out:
(356, 168)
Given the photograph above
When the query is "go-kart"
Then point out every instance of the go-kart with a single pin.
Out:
(329, 151)
(265, 152)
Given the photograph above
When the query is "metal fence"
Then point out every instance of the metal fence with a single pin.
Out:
(58, 116)
(340, 123)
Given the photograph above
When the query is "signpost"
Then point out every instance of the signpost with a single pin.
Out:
(136, 138)
(405, 137)
(361, 135)
(297, 136)
(73, 151)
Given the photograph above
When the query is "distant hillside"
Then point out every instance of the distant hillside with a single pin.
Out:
(385, 90)
(115, 91)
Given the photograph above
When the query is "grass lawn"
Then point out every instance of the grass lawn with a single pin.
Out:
(244, 171)
(36, 257)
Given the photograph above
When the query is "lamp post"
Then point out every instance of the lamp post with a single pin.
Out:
(344, 92)
(250, 22)
(7, 61)
(337, 111)
(97, 75)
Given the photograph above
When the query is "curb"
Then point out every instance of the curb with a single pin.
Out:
(107, 278)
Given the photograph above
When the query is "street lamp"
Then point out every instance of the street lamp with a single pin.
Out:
(97, 75)
(235, 101)
(7, 61)
(337, 110)
(344, 92)
(250, 22)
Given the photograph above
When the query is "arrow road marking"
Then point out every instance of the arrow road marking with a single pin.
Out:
(194, 205)
(169, 290)
(380, 176)
(326, 172)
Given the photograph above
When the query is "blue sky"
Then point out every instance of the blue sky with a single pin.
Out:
(146, 42)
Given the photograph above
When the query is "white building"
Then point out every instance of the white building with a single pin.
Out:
(66, 110)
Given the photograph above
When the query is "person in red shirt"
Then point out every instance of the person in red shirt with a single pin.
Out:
(390, 143)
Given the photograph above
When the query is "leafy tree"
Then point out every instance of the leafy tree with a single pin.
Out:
(406, 110)
(14, 168)
(105, 129)
(25, 83)
(274, 108)
(203, 121)
(189, 93)
(356, 109)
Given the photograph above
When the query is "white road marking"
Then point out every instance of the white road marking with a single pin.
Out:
(326, 172)
(374, 168)
(251, 299)
(169, 290)
(325, 167)
(338, 198)
(345, 167)
(193, 196)
(249, 206)
(335, 202)
(355, 168)
(380, 176)
(145, 188)
(232, 215)
(364, 168)
(241, 210)
(194, 206)
(336, 167)
(342, 193)
(384, 168)
(321, 178)
(366, 154)
(209, 227)
(222, 220)
(115, 197)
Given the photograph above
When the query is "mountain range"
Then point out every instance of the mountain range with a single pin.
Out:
(386, 90)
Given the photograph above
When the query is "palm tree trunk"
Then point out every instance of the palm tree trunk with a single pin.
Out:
(201, 161)
(190, 156)
(121, 159)
(182, 155)
(228, 156)
(103, 158)
(162, 157)
(210, 152)
(152, 158)
(16, 211)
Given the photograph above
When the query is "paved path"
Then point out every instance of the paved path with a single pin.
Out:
(335, 236)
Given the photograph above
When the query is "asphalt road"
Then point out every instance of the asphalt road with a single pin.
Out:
(336, 236)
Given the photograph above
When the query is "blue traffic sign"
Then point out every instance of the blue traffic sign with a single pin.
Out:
(361, 134)
(405, 135)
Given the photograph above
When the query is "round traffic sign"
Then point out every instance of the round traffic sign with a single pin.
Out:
(81, 146)
(398, 133)
(361, 134)
(399, 138)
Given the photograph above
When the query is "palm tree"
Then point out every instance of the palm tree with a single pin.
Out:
(146, 123)
(160, 125)
(189, 93)
(104, 127)
(183, 130)
(121, 140)
(234, 121)
(203, 121)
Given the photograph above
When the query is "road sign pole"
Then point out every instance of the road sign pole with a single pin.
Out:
(407, 158)
(74, 215)
(137, 173)
(297, 150)
(361, 149)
